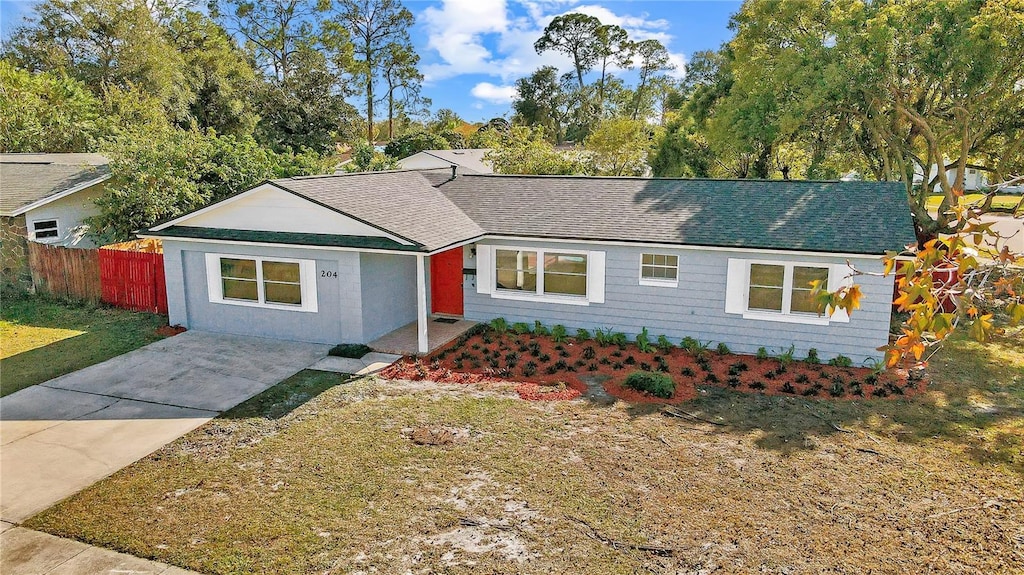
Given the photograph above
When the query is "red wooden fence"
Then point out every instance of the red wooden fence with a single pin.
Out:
(133, 279)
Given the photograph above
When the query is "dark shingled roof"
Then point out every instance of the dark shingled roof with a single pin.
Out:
(28, 178)
(403, 203)
(329, 240)
(842, 217)
(433, 211)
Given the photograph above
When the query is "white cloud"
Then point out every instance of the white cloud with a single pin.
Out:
(485, 37)
(494, 94)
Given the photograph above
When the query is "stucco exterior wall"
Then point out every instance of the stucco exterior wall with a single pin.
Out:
(339, 315)
(388, 284)
(696, 307)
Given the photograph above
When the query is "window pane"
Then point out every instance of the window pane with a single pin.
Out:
(647, 259)
(802, 277)
(236, 268)
(44, 225)
(240, 289)
(766, 275)
(517, 270)
(565, 284)
(281, 272)
(46, 234)
(672, 261)
(283, 293)
(566, 263)
(803, 302)
(765, 298)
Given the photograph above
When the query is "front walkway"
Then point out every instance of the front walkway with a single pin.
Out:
(403, 341)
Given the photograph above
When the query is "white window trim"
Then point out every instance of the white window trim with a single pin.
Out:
(307, 282)
(658, 282)
(54, 239)
(539, 295)
(738, 293)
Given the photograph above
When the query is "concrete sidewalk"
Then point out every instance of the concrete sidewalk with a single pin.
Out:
(27, 552)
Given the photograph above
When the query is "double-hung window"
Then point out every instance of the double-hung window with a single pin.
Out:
(781, 291)
(264, 282)
(555, 275)
(659, 270)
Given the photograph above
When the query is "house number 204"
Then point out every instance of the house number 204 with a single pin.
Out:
(327, 274)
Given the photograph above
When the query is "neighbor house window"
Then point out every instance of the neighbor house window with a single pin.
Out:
(265, 282)
(659, 269)
(555, 275)
(45, 229)
(782, 291)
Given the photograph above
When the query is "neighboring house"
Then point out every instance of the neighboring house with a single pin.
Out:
(347, 258)
(468, 160)
(974, 179)
(46, 198)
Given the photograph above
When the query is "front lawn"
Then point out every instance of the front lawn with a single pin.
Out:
(319, 475)
(44, 338)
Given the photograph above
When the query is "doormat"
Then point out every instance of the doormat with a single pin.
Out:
(445, 320)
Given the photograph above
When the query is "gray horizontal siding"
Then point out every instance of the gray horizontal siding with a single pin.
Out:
(696, 307)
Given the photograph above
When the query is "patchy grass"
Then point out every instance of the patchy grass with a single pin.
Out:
(44, 338)
(313, 476)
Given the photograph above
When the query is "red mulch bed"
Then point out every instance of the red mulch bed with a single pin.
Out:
(169, 330)
(537, 363)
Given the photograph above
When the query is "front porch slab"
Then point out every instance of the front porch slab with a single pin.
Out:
(369, 363)
(403, 340)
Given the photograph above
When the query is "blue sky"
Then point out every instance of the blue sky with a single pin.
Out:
(472, 51)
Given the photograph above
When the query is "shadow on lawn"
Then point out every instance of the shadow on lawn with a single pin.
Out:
(975, 400)
(286, 396)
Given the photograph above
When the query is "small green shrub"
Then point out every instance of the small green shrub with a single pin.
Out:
(802, 378)
(645, 366)
(762, 353)
(733, 381)
(544, 358)
(592, 367)
(582, 335)
(558, 333)
(711, 378)
(757, 385)
(617, 365)
(352, 350)
(723, 349)
(841, 361)
(630, 360)
(520, 328)
(655, 384)
(664, 344)
(619, 339)
(604, 361)
(589, 352)
(812, 356)
(687, 372)
(601, 337)
(539, 329)
(643, 341)
(786, 357)
(787, 388)
(499, 325)
(529, 368)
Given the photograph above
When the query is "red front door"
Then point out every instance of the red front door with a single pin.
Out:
(446, 282)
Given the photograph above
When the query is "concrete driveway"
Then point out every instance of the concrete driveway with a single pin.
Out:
(61, 436)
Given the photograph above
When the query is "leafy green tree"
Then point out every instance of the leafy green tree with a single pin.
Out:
(366, 159)
(523, 150)
(682, 152)
(164, 174)
(490, 134)
(619, 147)
(923, 86)
(220, 78)
(612, 48)
(402, 81)
(651, 59)
(47, 112)
(102, 43)
(541, 102)
(575, 35)
(306, 110)
(409, 144)
(380, 31)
